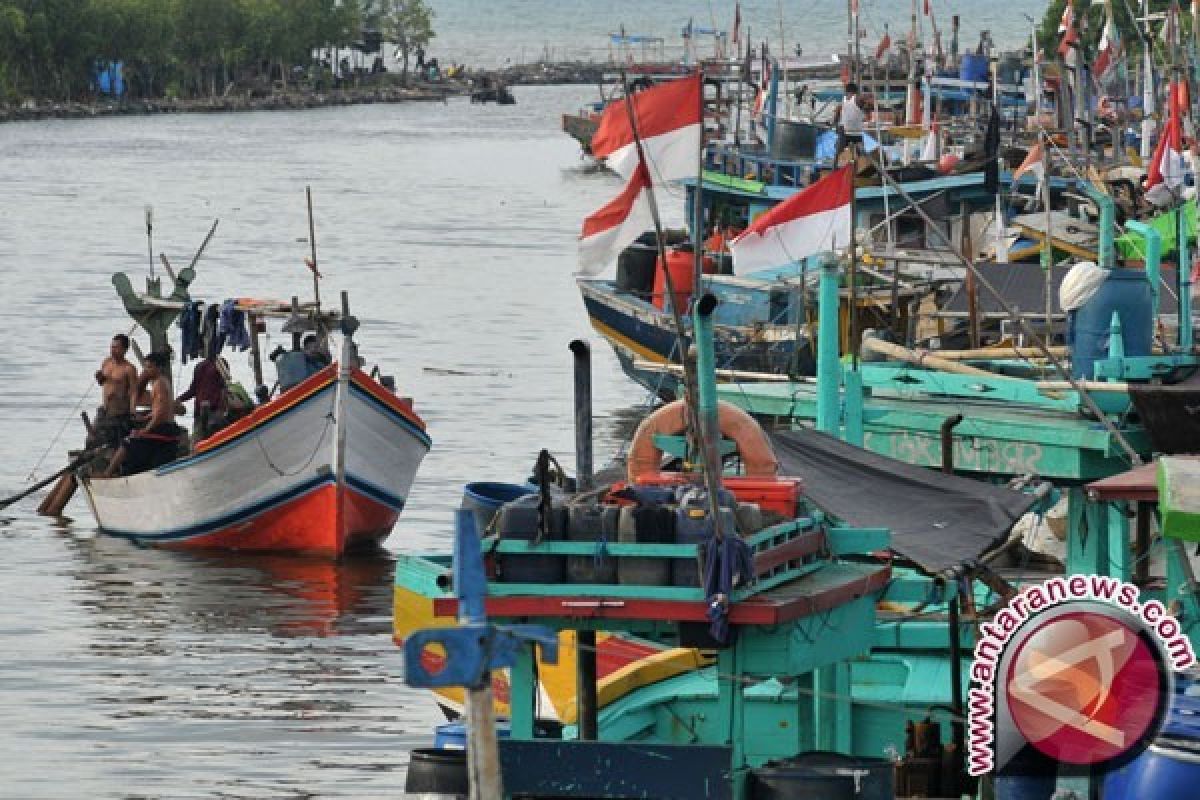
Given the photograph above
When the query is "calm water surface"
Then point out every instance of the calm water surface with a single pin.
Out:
(497, 31)
(133, 673)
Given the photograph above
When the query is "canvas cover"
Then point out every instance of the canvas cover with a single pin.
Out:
(938, 521)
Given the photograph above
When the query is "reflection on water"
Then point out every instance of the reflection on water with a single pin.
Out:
(128, 672)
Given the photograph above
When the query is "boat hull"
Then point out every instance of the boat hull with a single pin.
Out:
(643, 338)
(271, 481)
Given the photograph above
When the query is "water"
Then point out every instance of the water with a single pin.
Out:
(525, 30)
(131, 673)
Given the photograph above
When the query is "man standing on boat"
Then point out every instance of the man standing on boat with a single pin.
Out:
(158, 442)
(208, 390)
(849, 120)
(118, 392)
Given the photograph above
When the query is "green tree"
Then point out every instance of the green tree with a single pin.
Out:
(406, 23)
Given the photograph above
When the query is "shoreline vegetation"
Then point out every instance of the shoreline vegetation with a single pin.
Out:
(381, 88)
(87, 58)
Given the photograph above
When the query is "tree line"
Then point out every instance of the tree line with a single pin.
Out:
(52, 49)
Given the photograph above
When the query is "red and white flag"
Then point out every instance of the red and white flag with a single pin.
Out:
(811, 221)
(1068, 34)
(1167, 165)
(1032, 163)
(668, 122)
(885, 44)
(611, 229)
(1109, 49)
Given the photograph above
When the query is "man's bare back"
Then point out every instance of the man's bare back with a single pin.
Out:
(117, 380)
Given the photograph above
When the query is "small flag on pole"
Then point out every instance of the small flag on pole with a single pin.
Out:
(668, 122)
(809, 222)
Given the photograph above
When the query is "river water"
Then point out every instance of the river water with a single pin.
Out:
(521, 31)
(136, 673)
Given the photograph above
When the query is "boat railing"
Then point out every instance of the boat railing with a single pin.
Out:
(759, 165)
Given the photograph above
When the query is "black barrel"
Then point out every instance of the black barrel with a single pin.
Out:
(822, 775)
(645, 525)
(635, 268)
(592, 523)
(518, 520)
(437, 773)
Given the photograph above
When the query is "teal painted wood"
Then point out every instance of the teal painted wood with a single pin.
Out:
(844, 540)
(597, 590)
(421, 574)
(842, 633)
(522, 682)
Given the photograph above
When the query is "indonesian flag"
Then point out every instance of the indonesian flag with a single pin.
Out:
(1167, 165)
(811, 221)
(760, 97)
(1109, 49)
(668, 122)
(932, 149)
(928, 10)
(1032, 163)
(1069, 36)
(885, 44)
(736, 37)
(611, 229)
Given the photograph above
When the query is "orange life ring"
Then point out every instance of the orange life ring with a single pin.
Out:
(758, 457)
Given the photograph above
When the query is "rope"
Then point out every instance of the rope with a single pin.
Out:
(329, 422)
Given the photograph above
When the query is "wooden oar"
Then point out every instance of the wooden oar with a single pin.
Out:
(77, 462)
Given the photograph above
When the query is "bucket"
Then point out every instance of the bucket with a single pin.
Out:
(484, 499)
(825, 775)
(453, 735)
(434, 773)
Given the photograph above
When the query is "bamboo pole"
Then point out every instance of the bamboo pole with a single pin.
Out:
(925, 358)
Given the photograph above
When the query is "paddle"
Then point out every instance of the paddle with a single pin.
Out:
(75, 464)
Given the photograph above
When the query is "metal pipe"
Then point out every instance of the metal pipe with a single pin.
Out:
(585, 694)
(583, 413)
(1108, 216)
(1184, 284)
(1153, 241)
(948, 426)
(706, 406)
(956, 695)
(828, 366)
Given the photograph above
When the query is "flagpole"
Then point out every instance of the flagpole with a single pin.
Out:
(691, 385)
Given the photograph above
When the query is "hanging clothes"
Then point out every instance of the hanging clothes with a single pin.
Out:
(233, 326)
(213, 341)
(192, 342)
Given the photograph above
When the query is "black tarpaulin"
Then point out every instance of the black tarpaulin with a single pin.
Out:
(938, 521)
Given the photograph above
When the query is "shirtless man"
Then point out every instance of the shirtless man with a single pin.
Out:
(118, 390)
(158, 442)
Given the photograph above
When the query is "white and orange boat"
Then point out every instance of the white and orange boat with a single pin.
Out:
(323, 467)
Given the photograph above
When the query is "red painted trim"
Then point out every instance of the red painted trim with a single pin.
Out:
(264, 413)
(402, 407)
(795, 549)
(760, 610)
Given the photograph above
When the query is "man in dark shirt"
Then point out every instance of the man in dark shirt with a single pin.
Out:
(208, 390)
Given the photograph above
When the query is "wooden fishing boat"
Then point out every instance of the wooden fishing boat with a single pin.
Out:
(322, 466)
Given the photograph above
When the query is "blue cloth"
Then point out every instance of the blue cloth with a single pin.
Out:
(827, 145)
(728, 563)
(189, 326)
(232, 326)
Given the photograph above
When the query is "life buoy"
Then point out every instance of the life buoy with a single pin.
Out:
(758, 457)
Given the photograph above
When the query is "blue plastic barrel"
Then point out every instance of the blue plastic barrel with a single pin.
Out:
(484, 499)
(1168, 768)
(973, 68)
(453, 735)
(1126, 291)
